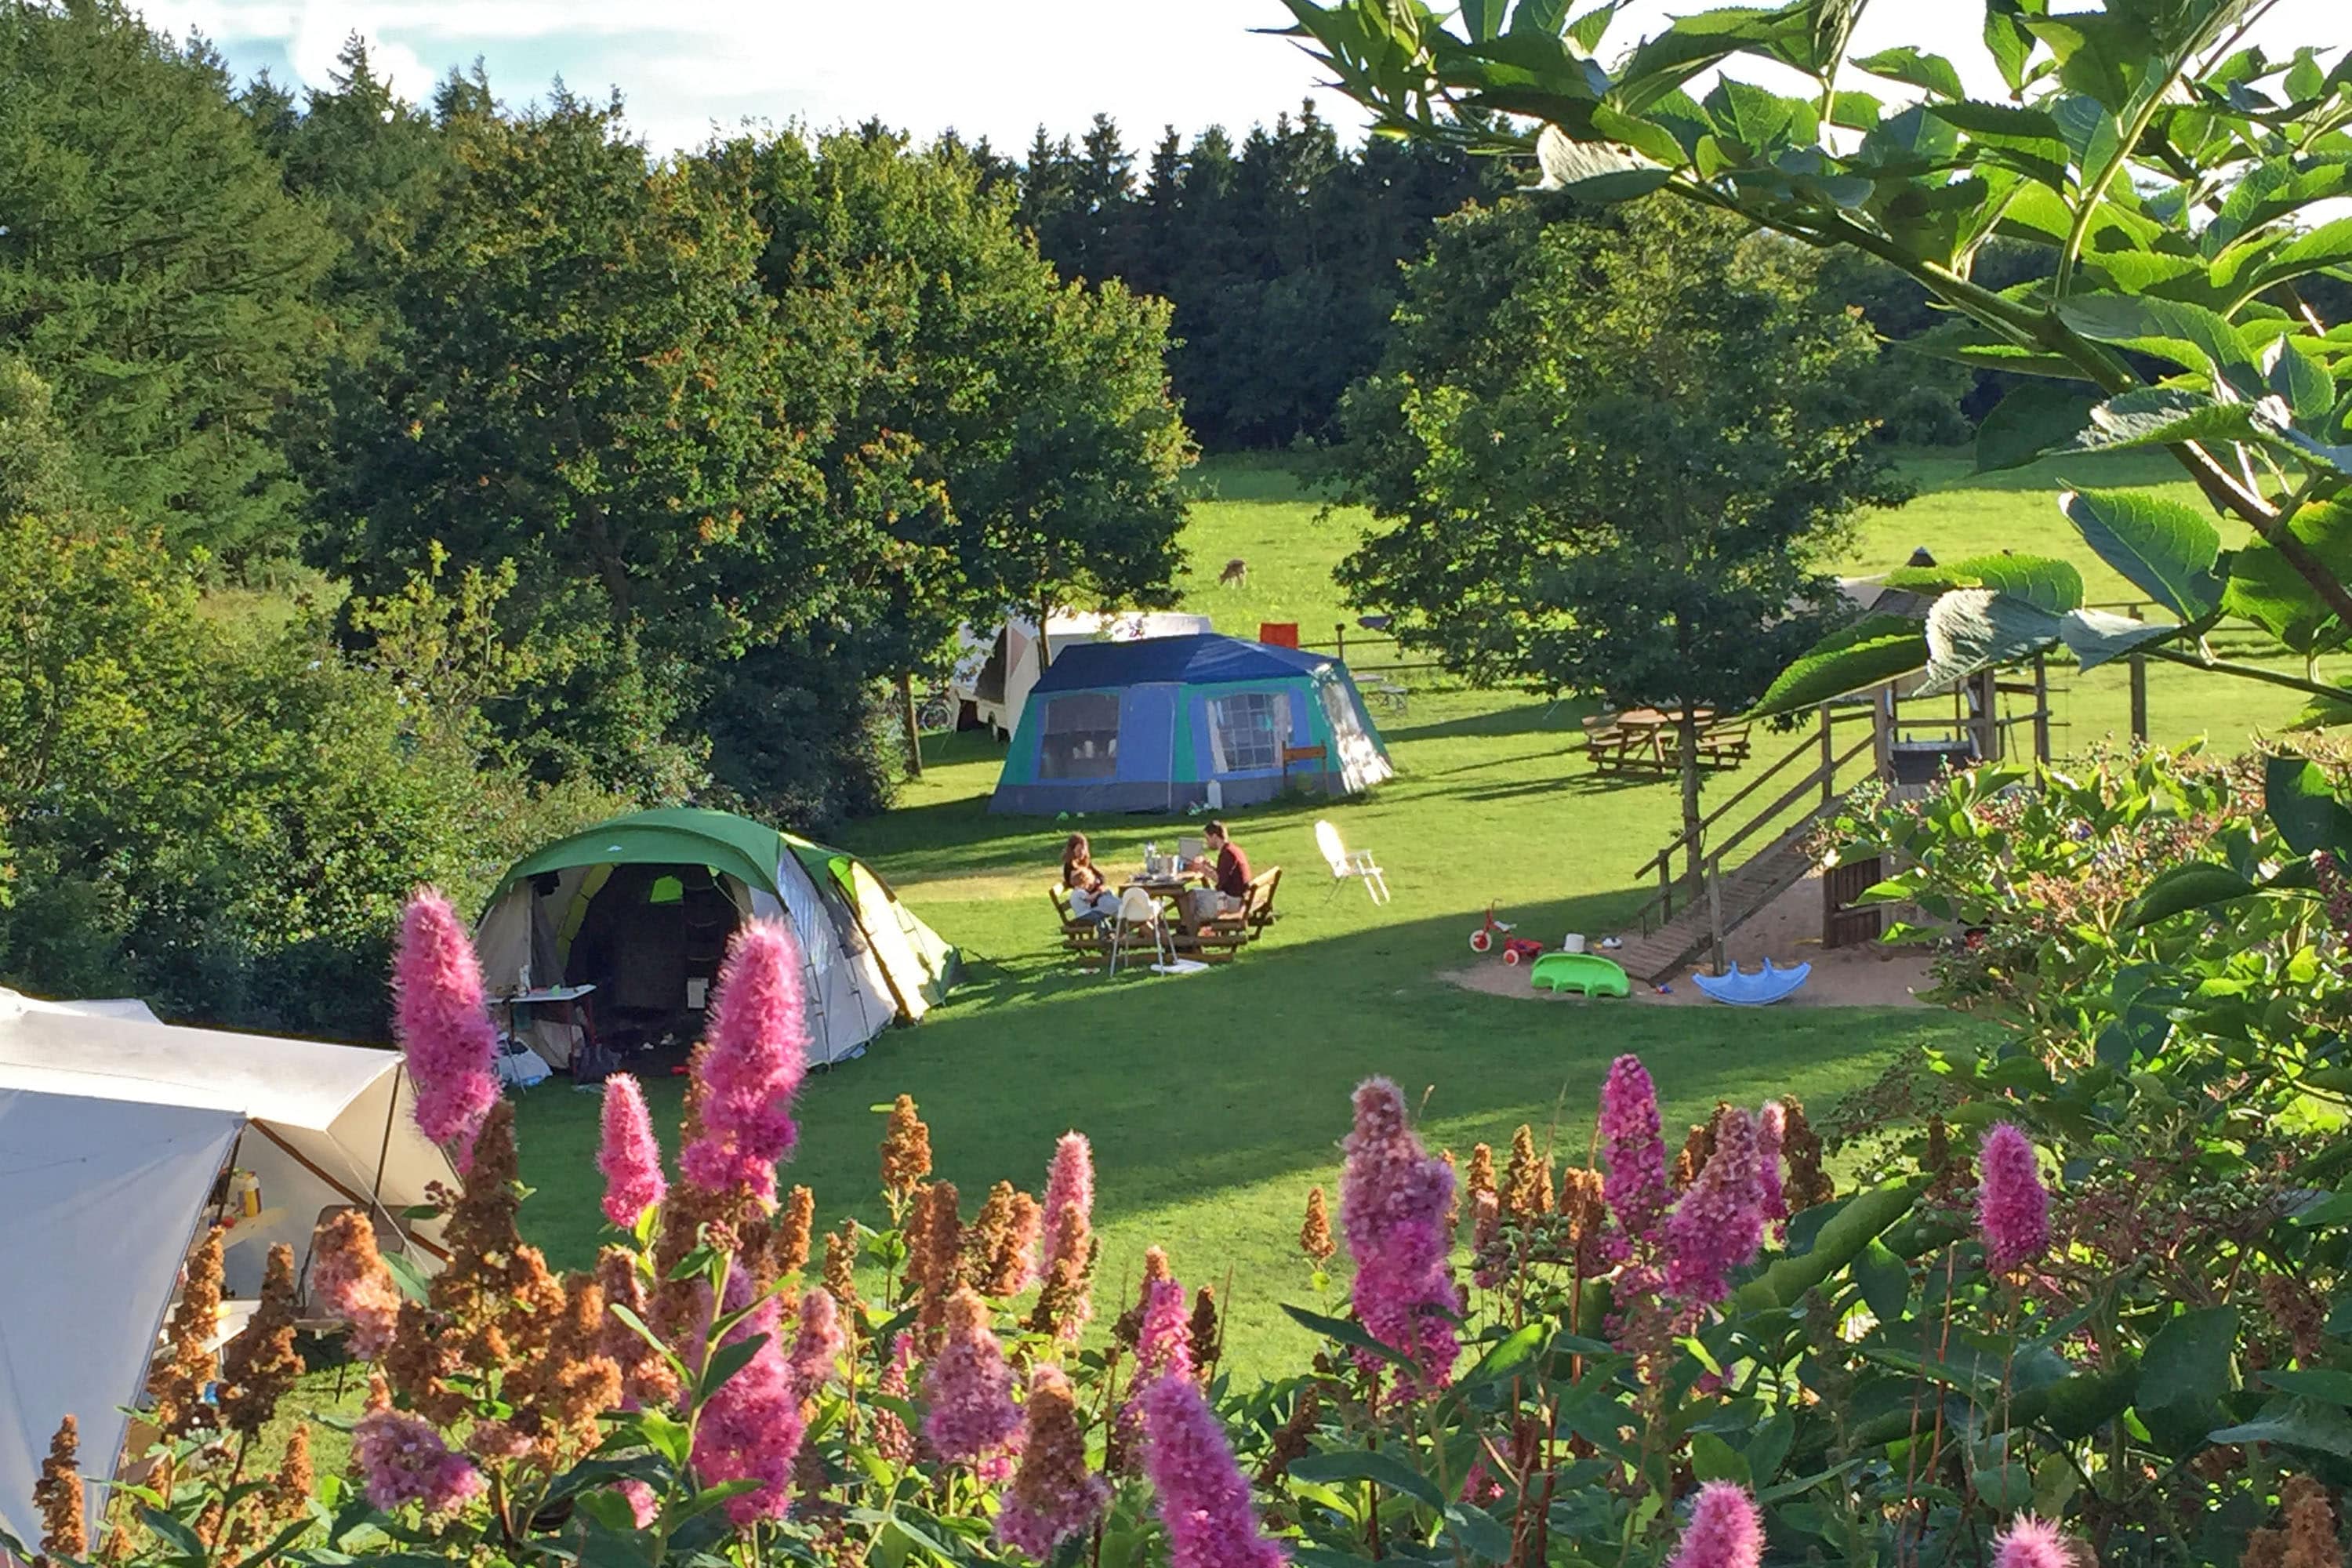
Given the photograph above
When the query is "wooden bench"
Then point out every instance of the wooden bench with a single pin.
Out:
(1217, 940)
(1723, 745)
(1090, 937)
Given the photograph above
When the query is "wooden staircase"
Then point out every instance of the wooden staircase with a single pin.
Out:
(1691, 915)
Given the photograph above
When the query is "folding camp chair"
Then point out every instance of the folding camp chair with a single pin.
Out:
(1346, 863)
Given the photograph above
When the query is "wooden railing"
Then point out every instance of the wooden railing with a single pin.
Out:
(1693, 844)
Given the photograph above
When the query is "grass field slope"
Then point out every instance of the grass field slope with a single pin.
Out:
(1214, 1101)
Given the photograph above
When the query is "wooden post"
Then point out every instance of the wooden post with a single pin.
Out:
(1715, 911)
(1829, 758)
(2041, 708)
(1339, 637)
(1881, 729)
(914, 726)
(2138, 698)
(1665, 887)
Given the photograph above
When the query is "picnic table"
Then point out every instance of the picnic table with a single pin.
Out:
(1643, 740)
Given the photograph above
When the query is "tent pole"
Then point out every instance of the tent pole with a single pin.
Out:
(384, 1149)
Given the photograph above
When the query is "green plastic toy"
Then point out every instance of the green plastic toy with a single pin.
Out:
(1587, 973)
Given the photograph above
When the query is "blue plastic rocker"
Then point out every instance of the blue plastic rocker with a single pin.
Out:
(1741, 989)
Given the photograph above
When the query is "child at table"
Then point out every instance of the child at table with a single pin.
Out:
(1092, 898)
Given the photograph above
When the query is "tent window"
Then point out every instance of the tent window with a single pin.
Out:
(1247, 731)
(1080, 739)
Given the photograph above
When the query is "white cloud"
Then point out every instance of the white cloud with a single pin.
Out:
(998, 70)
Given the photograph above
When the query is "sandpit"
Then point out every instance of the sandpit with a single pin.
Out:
(1788, 932)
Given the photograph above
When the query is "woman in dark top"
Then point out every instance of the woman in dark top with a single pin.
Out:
(1091, 895)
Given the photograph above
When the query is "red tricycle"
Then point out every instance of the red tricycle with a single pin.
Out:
(1515, 948)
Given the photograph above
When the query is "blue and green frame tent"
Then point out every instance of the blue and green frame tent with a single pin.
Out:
(1147, 725)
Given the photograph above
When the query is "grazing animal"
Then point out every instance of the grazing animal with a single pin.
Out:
(1235, 575)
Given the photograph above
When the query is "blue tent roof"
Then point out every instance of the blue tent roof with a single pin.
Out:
(1197, 660)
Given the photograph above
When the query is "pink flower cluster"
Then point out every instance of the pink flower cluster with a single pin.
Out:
(2030, 1543)
(452, 1050)
(1719, 1226)
(629, 1157)
(644, 1507)
(1163, 1343)
(752, 1067)
(2012, 1207)
(1069, 1183)
(349, 1280)
(1724, 1531)
(1771, 1132)
(969, 1388)
(817, 1342)
(402, 1459)
(891, 1439)
(1393, 1199)
(1204, 1499)
(751, 1429)
(1636, 1187)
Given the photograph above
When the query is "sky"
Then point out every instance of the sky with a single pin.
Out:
(689, 67)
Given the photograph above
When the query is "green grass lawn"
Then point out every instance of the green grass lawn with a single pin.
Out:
(1215, 1101)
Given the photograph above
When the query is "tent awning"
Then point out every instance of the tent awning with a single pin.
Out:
(678, 836)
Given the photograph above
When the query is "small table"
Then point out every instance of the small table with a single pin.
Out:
(553, 1044)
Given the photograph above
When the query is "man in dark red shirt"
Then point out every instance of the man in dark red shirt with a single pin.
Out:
(1229, 873)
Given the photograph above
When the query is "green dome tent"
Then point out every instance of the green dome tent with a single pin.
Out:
(641, 907)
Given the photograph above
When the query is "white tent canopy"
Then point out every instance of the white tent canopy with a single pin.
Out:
(114, 1133)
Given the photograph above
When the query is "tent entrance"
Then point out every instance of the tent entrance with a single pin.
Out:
(651, 938)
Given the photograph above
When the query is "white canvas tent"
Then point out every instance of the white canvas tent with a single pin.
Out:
(993, 677)
(115, 1130)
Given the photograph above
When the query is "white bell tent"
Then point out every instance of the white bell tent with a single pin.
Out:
(118, 1136)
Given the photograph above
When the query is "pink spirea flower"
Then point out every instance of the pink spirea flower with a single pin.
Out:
(1204, 1499)
(2030, 1543)
(628, 1155)
(2013, 1208)
(817, 1342)
(1163, 1341)
(402, 1459)
(1636, 1187)
(1723, 1532)
(758, 1052)
(644, 1507)
(1719, 1226)
(891, 1439)
(1069, 1184)
(751, 1429)
(1054, 1496)
(1771, 1129)
(451, 1049)
(969, 1388)
(1394, 1196)
(349, 1280)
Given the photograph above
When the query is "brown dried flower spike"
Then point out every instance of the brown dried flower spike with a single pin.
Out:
(57, 1494)
(261, 1363)
(1314, 1234)
(906, 1149)
(177, 1382)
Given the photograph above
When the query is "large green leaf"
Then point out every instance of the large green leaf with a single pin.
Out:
(2266, 590)
(1594, 171)
(1877, 649)
(1932, 72)
(2303, 805)
(2095, 637)
(2179, 887)
(2189, 335)
(2042, 581)
(2184, 1376)
(2036, 416)
(1369, 1464)
(1972, 629)
(2296, 1423)
(2158, 416)
(2162, 547)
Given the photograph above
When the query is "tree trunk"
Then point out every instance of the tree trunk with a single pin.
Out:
(1686, 727)
(914, 729)
(1045, 636)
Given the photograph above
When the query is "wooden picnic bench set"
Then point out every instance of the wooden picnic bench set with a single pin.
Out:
(1214, 940)
(1645, 740)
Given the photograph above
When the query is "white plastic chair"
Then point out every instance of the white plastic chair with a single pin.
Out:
(1346, 863)
(1138, 915)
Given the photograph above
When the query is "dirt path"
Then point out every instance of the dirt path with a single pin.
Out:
(1788, 933)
